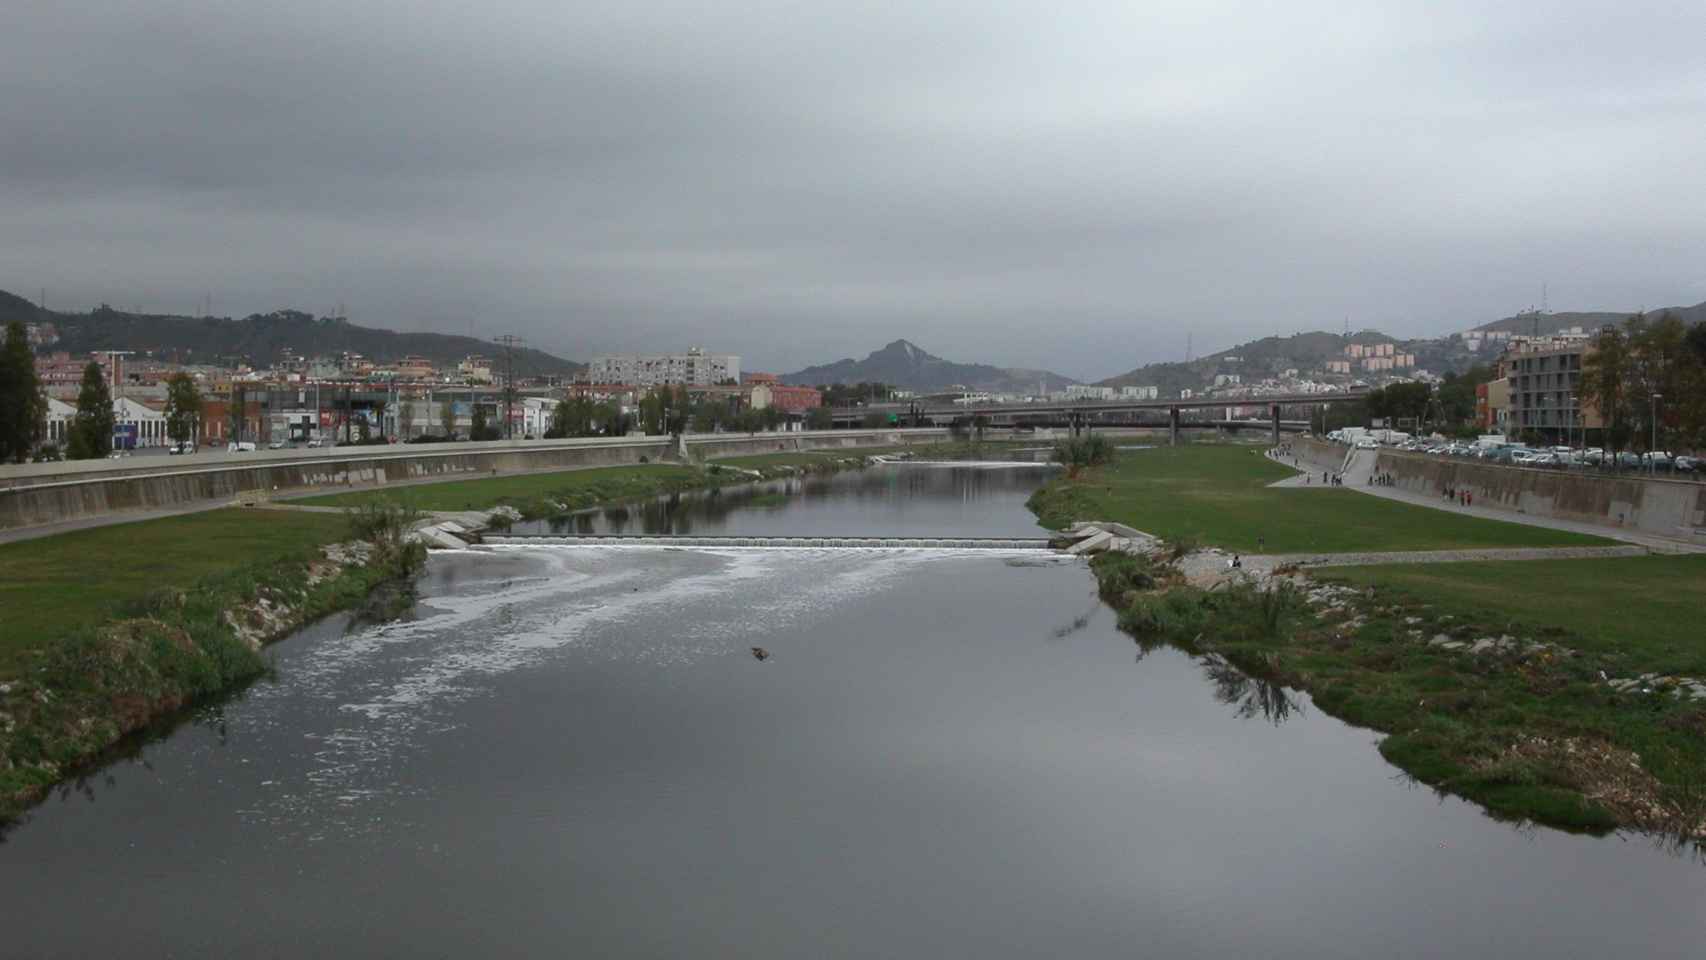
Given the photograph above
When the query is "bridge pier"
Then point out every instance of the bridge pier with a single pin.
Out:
(1273, 408)
(1172, 426)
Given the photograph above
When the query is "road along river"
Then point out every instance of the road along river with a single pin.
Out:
(573, 750)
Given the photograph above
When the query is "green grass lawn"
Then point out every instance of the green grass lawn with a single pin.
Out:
(51, 586)
(1642, 611)
(576, 488)
(1220, 496)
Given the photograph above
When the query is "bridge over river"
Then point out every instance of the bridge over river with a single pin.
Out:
(1085, 413)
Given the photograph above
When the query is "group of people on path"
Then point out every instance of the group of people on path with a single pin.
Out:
(1334, 479)
(1463, 497)
(1382, 480)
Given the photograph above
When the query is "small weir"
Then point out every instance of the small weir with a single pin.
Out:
(883, 543)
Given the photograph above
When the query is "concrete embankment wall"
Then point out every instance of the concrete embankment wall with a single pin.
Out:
(41, 497)
(1317, 455)
(1666, 508)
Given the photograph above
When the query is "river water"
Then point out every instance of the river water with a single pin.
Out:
(572, 751)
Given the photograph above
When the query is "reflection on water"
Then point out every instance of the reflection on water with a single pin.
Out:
(574, 751)
(1251, 696)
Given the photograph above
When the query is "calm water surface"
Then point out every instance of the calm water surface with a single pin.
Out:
(572, 752)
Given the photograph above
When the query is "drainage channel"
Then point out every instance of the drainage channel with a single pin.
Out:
(893, 543)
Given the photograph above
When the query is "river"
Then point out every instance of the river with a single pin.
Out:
(573, 751)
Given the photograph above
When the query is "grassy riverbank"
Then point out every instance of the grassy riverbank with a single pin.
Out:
(1528, 728)
(1642, 612)
(57, 585)
(1220, 495)
(540, 495)
(1492, 680)
(534, 494)
(87, 676)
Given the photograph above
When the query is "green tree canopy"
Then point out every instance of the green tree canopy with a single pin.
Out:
(23, 408)
(91, 433)
(183, 407)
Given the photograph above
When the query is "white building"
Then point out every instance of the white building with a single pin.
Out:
(1086, 391)
(139, 421)
(693, 368)
(1227, 379)
(1140, 393)
(59, 418)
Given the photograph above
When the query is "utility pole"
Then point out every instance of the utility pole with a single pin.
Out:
(509, 342)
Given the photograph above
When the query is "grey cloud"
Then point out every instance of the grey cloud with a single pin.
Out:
(1071, 186)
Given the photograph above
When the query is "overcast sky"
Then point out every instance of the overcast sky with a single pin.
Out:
(1065, 185)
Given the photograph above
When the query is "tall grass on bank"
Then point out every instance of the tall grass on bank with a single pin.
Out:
(1077, 453)
(387, 524)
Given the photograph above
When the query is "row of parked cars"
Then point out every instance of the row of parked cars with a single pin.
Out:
(1561, 458)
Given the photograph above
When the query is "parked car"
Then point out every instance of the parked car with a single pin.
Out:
(1366, 443)
(243, 446)
(1628, 459)
(177, 449)
(278, 444)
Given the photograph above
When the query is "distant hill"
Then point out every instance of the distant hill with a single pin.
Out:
(260, 338)
(1548, 323)
(903, 364)
(1266, 357)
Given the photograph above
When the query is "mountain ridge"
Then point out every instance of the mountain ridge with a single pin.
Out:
(260, 338)
(904, 364)
(1588, 320)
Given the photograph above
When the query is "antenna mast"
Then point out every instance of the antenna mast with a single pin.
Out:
(509, 341)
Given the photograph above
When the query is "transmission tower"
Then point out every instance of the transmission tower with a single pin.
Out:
(509, 342)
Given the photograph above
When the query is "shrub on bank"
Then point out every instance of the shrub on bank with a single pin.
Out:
(1076, 453)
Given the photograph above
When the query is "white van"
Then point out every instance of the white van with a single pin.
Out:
(240, 447)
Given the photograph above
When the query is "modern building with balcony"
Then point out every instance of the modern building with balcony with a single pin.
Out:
(1545, 391)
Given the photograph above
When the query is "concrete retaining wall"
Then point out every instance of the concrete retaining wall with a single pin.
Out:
(1318, 455)
(102, 487)
(1666, 508)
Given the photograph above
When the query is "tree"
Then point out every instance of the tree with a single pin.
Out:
(478, 430)
(1456, 395)
(1604, 383)
(183, 408)
(406, 419)
(92, 429)
(447, 418)
(238, 411)
(23, 408)
(820, 418)
(572, 418)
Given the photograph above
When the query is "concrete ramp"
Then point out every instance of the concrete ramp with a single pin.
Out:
(1359, 466)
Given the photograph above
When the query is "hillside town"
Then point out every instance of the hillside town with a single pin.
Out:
(321, 400)
(1524, 384)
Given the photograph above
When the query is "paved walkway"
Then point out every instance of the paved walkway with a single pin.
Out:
(1356, 478)
(1268, 562)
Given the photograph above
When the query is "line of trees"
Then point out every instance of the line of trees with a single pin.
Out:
(671, 410)
(1647, 379)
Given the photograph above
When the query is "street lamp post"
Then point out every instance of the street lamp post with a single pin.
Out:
(1653, 450)
(1570, 431)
